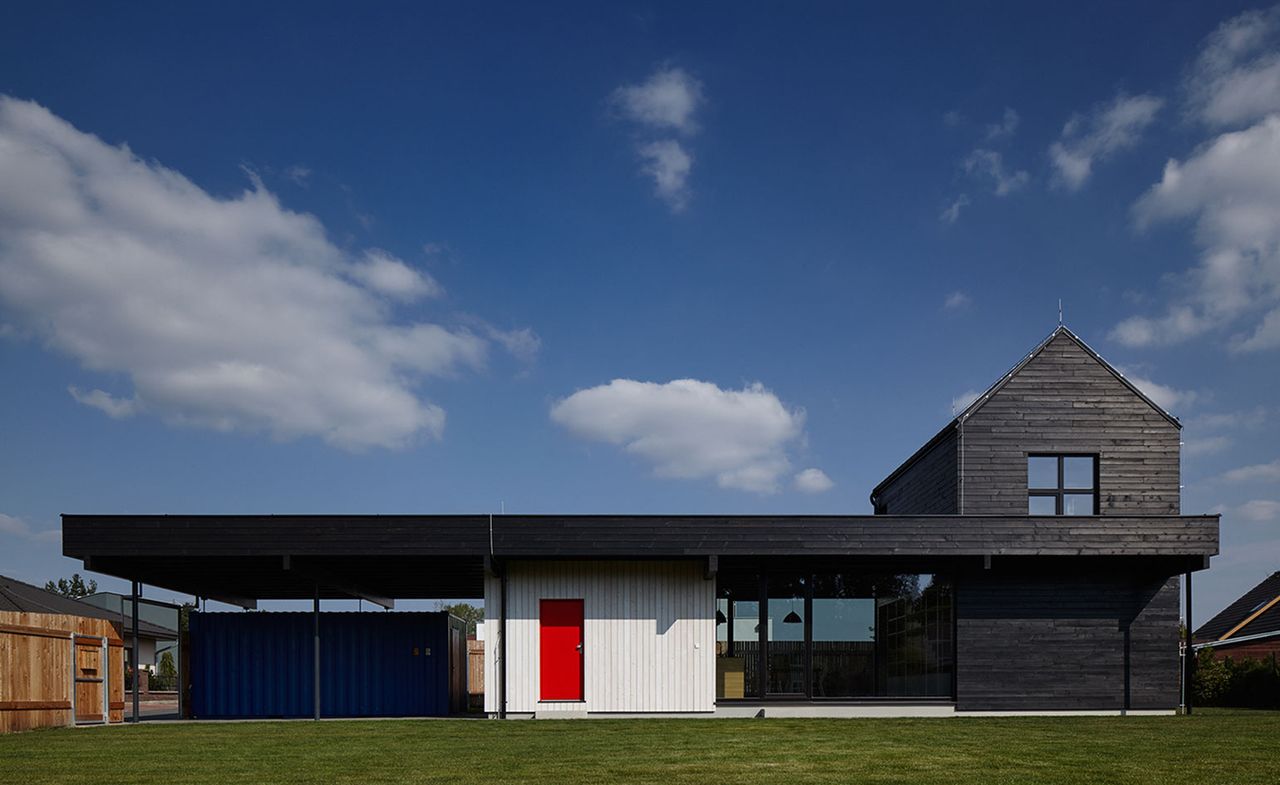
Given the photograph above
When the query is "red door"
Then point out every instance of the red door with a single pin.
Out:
(560, 649)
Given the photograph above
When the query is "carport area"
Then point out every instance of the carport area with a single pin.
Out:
(316, 664)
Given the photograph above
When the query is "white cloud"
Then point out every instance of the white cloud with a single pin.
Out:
(1256, 510)
(12, 525)
(1164, 396)
(299, 174)
(1259, 472)
(1178, 324)
(523, 344)
(1205, 445)
(1007, 126)
(989, 165)
(20, 528)
(963, 401)
(666, 101)
(951, 213)
(957, 300)
(1106, 130)
(1236, 78)
(690, 429)
(229, 313)
(1266, 335)
(115, 408)
(1231, 187)
(813, 481)
(381, 272)
(669, 164)
(1247, 418)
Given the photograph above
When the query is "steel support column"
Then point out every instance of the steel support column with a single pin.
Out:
(137, 666)
(1189, 654)
(315, 624)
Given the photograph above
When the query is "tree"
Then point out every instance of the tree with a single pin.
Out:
(75, 588)
(166, 675)
(465, 611)
(184, 615)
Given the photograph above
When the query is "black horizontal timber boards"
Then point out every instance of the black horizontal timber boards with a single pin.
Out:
(642, 536)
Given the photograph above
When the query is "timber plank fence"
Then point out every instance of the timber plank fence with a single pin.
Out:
(59, 670)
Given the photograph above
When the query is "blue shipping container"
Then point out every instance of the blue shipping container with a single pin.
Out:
(371, 664)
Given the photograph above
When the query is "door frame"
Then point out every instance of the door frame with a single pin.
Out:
(582, 648)
(103, 679)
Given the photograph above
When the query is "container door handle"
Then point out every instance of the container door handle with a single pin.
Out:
(579, 648)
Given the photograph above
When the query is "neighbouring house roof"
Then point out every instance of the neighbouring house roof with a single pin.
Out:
(1256, 612)
(982, 399)
(20, 597)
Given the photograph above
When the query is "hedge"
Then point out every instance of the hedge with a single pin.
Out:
(1246, 683)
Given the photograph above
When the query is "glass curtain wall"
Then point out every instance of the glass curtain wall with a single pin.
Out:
(784, 635)
(737, 637)
(844, 636)
(834, 635)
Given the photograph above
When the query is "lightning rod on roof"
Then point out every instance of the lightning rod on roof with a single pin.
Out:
(1059, 311)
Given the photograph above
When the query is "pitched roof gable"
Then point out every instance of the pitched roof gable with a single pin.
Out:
(982, 399)
(1062, 330)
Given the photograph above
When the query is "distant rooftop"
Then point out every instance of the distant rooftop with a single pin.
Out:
(19, 597)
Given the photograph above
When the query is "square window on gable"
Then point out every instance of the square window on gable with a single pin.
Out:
(1078, 471)
(1042, 472)
(1062, 484)
(1042, 505)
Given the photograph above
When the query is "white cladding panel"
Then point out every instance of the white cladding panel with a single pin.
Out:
(648, 638)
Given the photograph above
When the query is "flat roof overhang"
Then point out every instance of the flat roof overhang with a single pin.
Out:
(249, 557)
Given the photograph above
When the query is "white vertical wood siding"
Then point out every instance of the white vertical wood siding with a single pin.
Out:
(648, 639)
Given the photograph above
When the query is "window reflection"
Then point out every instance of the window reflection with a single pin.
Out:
(834, 635)
(844, 636)
(737, 638)
(915, 622)
(785, 633)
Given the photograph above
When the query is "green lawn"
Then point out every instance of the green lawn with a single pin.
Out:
(1218, 747)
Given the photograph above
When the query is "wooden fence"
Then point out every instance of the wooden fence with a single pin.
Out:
(46, 669)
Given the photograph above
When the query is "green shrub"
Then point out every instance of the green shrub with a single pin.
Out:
(1244, 683)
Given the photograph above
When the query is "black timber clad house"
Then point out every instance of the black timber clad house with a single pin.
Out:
(1044, 521)
(1028, 636)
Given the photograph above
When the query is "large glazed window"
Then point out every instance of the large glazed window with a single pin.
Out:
(1062, 484)
(844, 635)
(914, 620)
(737, 636)
(784, 634)
(833, 635)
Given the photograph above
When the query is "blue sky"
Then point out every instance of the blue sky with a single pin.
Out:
(616, 258)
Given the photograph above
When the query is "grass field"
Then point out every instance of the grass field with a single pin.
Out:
(1216, 747)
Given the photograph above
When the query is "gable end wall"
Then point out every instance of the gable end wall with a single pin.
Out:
(928, 487)
(1065, 401)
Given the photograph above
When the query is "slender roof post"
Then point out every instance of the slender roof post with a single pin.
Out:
(315, 624)
(137, 666)
(1189, 655)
